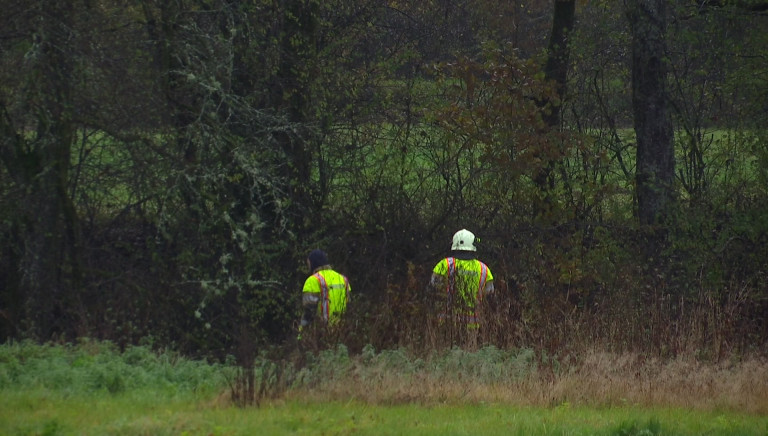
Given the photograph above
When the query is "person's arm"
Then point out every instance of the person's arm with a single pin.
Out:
(348, 290)
(437, 280)
(486, 303)
(309, 302)
(310, 298)
(488, 288)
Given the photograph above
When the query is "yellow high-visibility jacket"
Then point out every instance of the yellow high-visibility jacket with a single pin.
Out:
(467, 279)
(331, 290)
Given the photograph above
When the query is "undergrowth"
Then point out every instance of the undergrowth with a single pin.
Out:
(522, 377)
(99, 367)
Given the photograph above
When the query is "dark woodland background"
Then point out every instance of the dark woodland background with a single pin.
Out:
(168, 165)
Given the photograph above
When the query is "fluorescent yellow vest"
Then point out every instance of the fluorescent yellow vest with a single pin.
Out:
(467, 279)
(333, 289)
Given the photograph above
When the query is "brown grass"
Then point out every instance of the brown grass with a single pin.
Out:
(598, 379)
(606, 379)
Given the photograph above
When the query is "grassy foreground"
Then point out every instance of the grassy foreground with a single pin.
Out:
(92, 389)
(39, 413)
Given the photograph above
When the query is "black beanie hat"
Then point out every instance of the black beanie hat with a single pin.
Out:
(317, 258)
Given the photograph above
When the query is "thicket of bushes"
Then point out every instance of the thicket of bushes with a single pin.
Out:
(188, 191)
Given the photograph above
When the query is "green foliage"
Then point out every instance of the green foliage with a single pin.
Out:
(98, 367)
(652, 428)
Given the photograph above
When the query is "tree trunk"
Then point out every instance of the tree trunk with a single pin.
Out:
(653, 124)
(291, 93)
(556, 68)
(48, 258)
(555, 71)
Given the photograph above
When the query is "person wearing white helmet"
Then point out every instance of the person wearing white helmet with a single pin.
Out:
(465, 280)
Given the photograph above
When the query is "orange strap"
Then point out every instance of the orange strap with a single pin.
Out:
(324, 303)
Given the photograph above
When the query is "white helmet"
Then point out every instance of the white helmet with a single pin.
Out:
(464, 240)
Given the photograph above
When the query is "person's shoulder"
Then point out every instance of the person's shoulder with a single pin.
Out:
(329, 272)
(445, 265)
(474, 263)
(338, 273)
(488, 268)
(443, 261)
(311, 284)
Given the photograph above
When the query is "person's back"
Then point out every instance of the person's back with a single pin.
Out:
(464, 279)
(325, 293)
(331, 289)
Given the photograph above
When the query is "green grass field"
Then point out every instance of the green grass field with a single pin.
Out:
(94, 389)
(41, 413)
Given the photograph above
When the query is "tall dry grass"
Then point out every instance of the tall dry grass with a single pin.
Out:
(606, 379)
(594, 379)
(648, 349)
